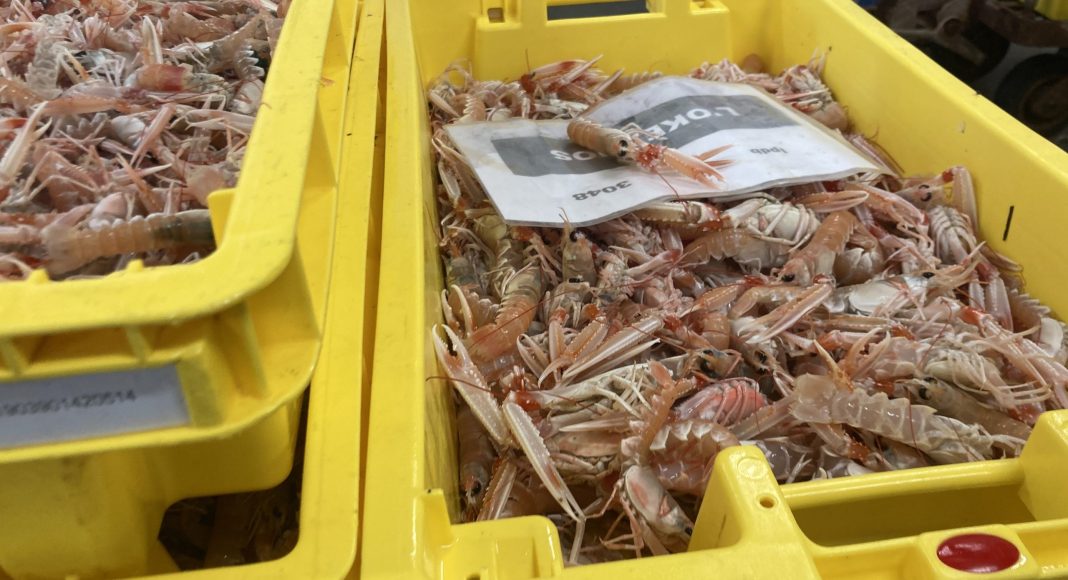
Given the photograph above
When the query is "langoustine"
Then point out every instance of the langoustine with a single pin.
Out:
(822, 323)
(148, 102)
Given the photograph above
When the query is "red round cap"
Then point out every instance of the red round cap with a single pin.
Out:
(978, 553)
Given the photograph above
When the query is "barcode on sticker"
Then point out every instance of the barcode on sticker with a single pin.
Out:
(91, 405)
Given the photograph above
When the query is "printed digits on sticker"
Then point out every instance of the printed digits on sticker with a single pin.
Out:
(767, 150)
(595, 192)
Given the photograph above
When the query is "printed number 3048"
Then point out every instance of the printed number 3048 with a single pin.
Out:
(595, 192)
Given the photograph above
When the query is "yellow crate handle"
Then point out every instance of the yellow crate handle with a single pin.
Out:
(743, 505)
(747, 525)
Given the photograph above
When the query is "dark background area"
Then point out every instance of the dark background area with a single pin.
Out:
(987, 84)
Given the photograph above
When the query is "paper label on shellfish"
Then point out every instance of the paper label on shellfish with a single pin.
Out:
(535, 175)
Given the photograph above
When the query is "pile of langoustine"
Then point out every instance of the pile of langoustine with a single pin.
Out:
(119, 117)
(842, 327)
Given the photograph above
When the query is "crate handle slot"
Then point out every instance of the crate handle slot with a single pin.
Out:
(606, 9)
(540, 12)
(511, 36)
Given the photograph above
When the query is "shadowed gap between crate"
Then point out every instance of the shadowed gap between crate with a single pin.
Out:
(203, 532)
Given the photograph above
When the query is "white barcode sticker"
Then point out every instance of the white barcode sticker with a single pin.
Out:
(93, 405)
(535, 176)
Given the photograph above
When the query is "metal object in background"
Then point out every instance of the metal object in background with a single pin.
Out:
(970, 37)
(1036, 92)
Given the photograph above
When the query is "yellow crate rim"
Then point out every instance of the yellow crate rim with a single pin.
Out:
(260, 231)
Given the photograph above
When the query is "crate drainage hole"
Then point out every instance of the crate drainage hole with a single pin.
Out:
(767, 501)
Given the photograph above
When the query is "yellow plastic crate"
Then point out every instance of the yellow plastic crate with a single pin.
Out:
(1053, 9)
(340, 386)
(876, 526)
(235, 335)
(97, 513)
